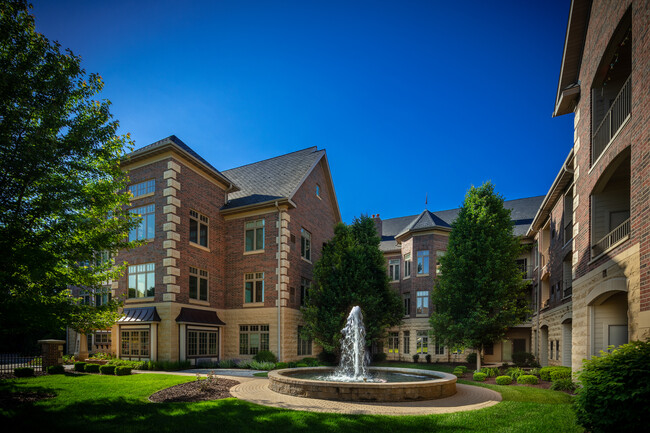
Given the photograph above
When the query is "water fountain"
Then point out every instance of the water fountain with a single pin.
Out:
(353, 380)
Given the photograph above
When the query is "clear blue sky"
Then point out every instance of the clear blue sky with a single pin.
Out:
(409, 98)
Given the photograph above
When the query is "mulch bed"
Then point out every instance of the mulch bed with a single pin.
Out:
(197, 390)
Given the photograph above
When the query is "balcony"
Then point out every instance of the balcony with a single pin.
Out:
(526, 271)
(616, 236)
(613, 121)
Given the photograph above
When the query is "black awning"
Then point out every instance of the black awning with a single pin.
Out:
(194, 315)
(142, 314)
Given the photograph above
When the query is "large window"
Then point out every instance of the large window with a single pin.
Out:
(253, 338)
(423, 262)
(199, 228)
(422, 342)
(135, 343)
(393, 269)
(147, 227)
(103, 337)
(305, 285)
(439, 349)
(254, 287)
(393, 342)
(407, 342)
(142, 280)
(305, 244)
(304, 344)
(198, 284)
(255, 235)
(422, 302)
(406, 298)
(202, 343)
(142, 188)
(407, 265)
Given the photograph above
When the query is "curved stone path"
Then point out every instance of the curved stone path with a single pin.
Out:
(467, 397)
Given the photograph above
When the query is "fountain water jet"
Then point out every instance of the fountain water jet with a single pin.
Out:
(352, 367)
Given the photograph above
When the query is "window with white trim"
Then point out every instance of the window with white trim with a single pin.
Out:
(253, 338)
(406, 298)
(439, 349)
(393, 342)
(393, 269)
(142, 188)
(202, 343)
(422, 302)
(407, 342)
(422, 342)
(305, 244)
(304, 344)
(135, 343)
(407, 265)
(423, 262)
(199, 228)
(305, 286)
(254, 235)
(198, 284)
(254, 287)
(147, 227)
(142, 280)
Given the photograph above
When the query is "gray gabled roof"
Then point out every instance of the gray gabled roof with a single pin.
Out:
(522, 212)
(272, 179)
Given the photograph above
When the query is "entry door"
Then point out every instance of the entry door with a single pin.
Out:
(507, 351)
(518, 345)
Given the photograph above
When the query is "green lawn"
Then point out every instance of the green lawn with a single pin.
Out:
(119, 404)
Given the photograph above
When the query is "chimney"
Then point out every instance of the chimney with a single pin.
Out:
(378, 224)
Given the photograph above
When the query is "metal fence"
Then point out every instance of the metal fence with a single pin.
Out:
(613, 120)
(9, 361)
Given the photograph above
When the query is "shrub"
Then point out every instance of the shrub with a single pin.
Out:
(122, 371)
(91, 368)
(24, 372)
(563, 385)
(107, 369)
(227, 363)
(416, 357)
(292, 364)
(379, 357)
(503, 380)
(265, 356)
(545, 373)
(490, 371)
(523, 359)
(461, 367)
(428, 358)
(281, 365)
(615, 390)
(458, 373)
(471, 358)
(535, 371)
(135, 365)
(515, 372)
(244, 363)
(301, 364)
(312, 362)
(79, 366)
(480, 377)
(255, 365)
(527, 379)
(68, 359)
(560, 374)
(327, 358)
(55, 369)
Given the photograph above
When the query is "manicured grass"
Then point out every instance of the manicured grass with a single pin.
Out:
(109, 404)
(262, 374)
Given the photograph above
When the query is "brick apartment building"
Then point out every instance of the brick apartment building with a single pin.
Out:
(593, 229)
(411, 246)
(228, 255)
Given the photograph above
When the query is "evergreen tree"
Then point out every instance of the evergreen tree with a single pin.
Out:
(60, 183)
(352, 271)
(480, 292)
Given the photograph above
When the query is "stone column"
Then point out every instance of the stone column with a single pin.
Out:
(52, 352)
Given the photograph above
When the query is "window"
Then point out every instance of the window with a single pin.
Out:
(305, 244)
(142, 280)
(393, 342)
(317, 190)
(147, 227)
(552, 347)
(102, 337)
(423, 262)
(102, 297)
(422, 302)
(406, 298)
(142, 188)
(305, 286)
(407, 342)
(304, 344)
(198, 228)
(254, 287)
(202, 343)
(198, 284)
(422, 342)
(407, 265)
(488, 349)
(557, 350)
(135, 343)
(393, 269)
(253, 338)
(439, 349)
(255, 235)
(438, 255)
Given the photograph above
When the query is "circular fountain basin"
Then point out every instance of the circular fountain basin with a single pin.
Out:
(434, 385)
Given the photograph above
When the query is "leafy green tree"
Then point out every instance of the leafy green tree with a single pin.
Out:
(351, 271)
(60, 183)
(480, 292)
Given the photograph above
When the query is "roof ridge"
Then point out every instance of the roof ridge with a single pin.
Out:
(276, 157)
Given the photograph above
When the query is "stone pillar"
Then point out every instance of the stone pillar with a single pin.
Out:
(82, 353)
(52, 352)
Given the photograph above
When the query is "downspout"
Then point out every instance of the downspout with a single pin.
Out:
(539, 300)
(278, 300)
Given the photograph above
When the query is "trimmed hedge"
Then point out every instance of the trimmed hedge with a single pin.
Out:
(480, 377)
(560, 374)
(545, 372)
(91, 368)
(527, 379)
(24, 372)
(524, 359)
(462, 368)
(563, 385)
(503, 380)
(615, 390)
(79, 366)
(55, 369)
(107, 369)
(122, 370)
(301, 364)
(265, 356)
(281, 365)
(458, 373)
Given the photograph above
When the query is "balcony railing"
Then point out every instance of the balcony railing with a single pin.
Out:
(526, 271)
(618, 234)
(614, 119)
(568, 289)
